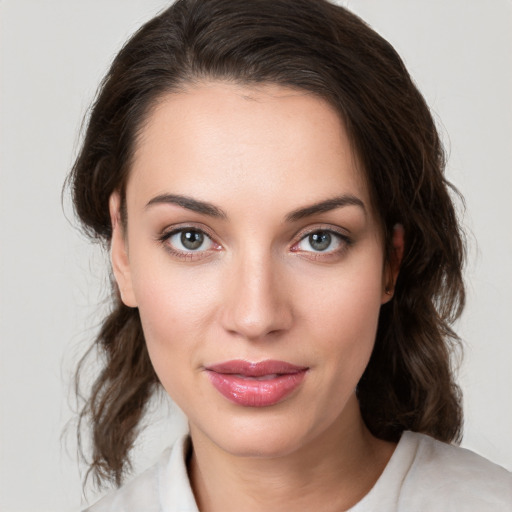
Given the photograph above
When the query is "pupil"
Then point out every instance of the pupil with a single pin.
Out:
(192, 239)
(320, 240)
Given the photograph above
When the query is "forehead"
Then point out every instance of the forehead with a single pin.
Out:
(216, 140)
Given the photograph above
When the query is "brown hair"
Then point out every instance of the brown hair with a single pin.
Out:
(315, 46)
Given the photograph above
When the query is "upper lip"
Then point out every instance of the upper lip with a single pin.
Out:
(258, 369)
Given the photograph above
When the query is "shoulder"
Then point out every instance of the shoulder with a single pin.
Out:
(162, 487)
(454, 477)
(141, 493)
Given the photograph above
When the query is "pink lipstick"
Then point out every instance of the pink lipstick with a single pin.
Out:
(255, 384)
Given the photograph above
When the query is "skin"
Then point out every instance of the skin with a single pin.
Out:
(257, 289)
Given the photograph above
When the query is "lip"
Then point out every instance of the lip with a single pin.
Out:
(260, 384)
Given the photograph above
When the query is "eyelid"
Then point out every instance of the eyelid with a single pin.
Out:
(183, 226)
(341, 232)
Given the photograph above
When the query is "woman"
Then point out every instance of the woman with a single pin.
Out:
(287, 265)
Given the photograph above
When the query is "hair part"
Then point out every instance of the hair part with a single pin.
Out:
(315, 46)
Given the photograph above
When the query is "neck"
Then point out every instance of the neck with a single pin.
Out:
(331, 472)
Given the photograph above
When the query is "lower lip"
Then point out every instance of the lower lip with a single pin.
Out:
(250, 392)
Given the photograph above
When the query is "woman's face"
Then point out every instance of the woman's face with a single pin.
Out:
(256, 262)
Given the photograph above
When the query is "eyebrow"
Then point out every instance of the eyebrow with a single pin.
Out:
(325, 206)
(189, 203)
(211, 210)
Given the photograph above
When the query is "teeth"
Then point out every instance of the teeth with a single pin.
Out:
(268, 377)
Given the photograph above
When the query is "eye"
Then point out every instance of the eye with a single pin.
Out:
(321, 241)
(186, 241)
(189, 240)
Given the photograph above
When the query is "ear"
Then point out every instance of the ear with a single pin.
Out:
(393, 265)
(119, 253)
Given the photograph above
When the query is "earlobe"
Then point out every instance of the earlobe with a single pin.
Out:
(119, 253)
(393, 266)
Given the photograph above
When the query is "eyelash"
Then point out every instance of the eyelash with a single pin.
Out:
(191, 255)
(345, 243)
(186, 255)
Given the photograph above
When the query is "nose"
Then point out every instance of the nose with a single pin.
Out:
(256, 303)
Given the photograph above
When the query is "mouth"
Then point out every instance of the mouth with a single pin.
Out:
(259, 384)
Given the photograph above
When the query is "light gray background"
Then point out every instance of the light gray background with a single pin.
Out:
(53, 54)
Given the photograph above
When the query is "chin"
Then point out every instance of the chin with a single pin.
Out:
(261, 445)
(269, 436)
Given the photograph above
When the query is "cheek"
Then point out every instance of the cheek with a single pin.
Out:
(172, 301)
(178, 307)
(167, 322)
(342, 315)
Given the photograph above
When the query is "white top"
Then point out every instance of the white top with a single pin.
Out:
(423, 475)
